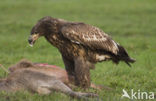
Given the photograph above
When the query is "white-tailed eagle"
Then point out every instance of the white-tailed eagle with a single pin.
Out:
(81, 46)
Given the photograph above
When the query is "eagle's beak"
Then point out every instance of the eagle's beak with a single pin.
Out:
(32, 39)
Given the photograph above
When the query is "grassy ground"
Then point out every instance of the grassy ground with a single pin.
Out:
(132, 23)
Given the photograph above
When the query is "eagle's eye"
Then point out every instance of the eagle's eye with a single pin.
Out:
(35, 32)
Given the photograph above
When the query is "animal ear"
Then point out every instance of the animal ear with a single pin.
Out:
(25, 63)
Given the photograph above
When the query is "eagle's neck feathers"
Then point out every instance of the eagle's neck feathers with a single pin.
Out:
(55, 40)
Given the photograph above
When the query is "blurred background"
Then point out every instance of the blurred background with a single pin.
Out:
(132, 23)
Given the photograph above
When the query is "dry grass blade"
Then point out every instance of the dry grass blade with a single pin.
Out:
(4, 68)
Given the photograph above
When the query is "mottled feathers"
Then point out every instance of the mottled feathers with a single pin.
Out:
(95, 39)
(89, 36)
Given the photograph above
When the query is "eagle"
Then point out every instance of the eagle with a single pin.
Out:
(81, 46)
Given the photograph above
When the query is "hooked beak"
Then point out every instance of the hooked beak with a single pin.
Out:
(32, 38)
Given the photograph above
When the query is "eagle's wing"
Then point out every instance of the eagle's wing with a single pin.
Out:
(89, 36)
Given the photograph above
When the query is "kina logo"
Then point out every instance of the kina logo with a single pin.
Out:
(138, 95)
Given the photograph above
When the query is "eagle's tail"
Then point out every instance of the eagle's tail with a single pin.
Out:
(123, 55)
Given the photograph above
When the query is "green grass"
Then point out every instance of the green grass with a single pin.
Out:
(131, 23)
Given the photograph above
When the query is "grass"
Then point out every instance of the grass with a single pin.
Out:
(131, 23)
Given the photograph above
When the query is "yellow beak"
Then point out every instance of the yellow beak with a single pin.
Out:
(32, 39)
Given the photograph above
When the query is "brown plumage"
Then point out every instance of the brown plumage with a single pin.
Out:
(81, 46)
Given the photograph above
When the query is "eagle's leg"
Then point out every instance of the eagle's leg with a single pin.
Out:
(91, 65)
(69, 66)
(82, 72)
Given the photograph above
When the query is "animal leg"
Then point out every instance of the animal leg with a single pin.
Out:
(59, 86)
(82, 73)
(100, 87)
(97, 87)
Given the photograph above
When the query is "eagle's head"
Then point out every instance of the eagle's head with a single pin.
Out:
(44, 26)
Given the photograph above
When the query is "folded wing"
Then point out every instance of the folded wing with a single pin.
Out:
(89, 36)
